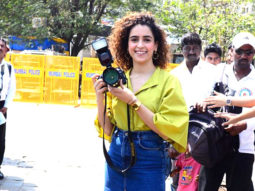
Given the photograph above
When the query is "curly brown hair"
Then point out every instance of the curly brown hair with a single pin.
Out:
(118, 40)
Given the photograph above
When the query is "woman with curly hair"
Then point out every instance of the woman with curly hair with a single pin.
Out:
(151, 103)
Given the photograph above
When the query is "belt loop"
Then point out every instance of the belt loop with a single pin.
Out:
(116, 131)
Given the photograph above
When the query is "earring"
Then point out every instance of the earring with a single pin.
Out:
(155, 55)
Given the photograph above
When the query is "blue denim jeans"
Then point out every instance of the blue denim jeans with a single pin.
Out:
(152, 162)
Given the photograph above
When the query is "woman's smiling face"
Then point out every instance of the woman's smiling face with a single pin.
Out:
(141, 44)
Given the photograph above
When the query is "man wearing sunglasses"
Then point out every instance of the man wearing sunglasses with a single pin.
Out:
(240, 79)
(7, 92)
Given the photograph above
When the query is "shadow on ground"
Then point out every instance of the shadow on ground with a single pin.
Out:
(18, 162)
(14, 183)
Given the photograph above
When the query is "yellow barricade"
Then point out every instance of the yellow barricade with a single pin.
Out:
(8, 57)
(171, 66)
(90, 67)
(55, 79)
(29, 71)
(61, 80)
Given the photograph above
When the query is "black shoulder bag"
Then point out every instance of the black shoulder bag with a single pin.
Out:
(208, 141)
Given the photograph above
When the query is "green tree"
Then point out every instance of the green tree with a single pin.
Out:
(71, 20)
(214, 21)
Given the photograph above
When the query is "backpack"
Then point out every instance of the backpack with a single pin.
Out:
(208, 142)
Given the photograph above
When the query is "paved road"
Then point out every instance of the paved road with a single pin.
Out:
(52, 148)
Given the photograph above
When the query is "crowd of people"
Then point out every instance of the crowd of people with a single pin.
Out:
(148, 116)
(198, 86)
(146, 119)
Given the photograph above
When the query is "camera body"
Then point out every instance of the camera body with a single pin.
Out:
(111, 75)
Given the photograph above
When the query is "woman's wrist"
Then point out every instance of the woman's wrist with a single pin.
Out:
(132, 101)
(136, 105)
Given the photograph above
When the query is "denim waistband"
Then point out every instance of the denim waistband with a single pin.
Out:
(144, 135)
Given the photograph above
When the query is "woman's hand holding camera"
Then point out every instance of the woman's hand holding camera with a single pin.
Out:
(99, 86)
(124, 94)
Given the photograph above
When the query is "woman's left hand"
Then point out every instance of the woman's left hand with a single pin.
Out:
(122, 93)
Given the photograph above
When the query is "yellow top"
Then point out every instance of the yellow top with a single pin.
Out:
(161, 94)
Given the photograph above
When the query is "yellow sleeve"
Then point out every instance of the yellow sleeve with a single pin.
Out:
(109, 114)
(172, 117)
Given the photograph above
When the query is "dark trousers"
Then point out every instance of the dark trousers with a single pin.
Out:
(238, 168)
(242, 173)
(2, 136)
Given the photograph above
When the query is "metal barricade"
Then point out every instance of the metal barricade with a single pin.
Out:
(61, 80)
(90, 67)
(29, 71)
(171, 66)
(55, 79)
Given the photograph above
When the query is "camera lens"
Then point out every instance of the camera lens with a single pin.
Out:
(111, 76)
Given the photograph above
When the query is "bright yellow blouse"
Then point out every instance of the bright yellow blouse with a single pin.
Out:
(162, 94)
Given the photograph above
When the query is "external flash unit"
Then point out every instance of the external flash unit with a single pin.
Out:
(111, 76)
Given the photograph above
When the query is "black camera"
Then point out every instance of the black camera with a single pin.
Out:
(111, 75)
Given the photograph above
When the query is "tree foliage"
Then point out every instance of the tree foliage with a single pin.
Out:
(71, 20)
(74, 20)
(215, 21)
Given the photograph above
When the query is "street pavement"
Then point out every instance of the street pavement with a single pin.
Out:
(52, 148)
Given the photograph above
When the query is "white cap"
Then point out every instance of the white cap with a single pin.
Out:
(243, 38)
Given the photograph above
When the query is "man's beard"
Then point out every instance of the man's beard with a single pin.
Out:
(243, 63)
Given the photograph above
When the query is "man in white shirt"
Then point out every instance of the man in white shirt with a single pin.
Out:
(7, 92)
(197, 77)
(240, 78)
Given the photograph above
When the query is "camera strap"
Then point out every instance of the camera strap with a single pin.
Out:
(130, 139)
